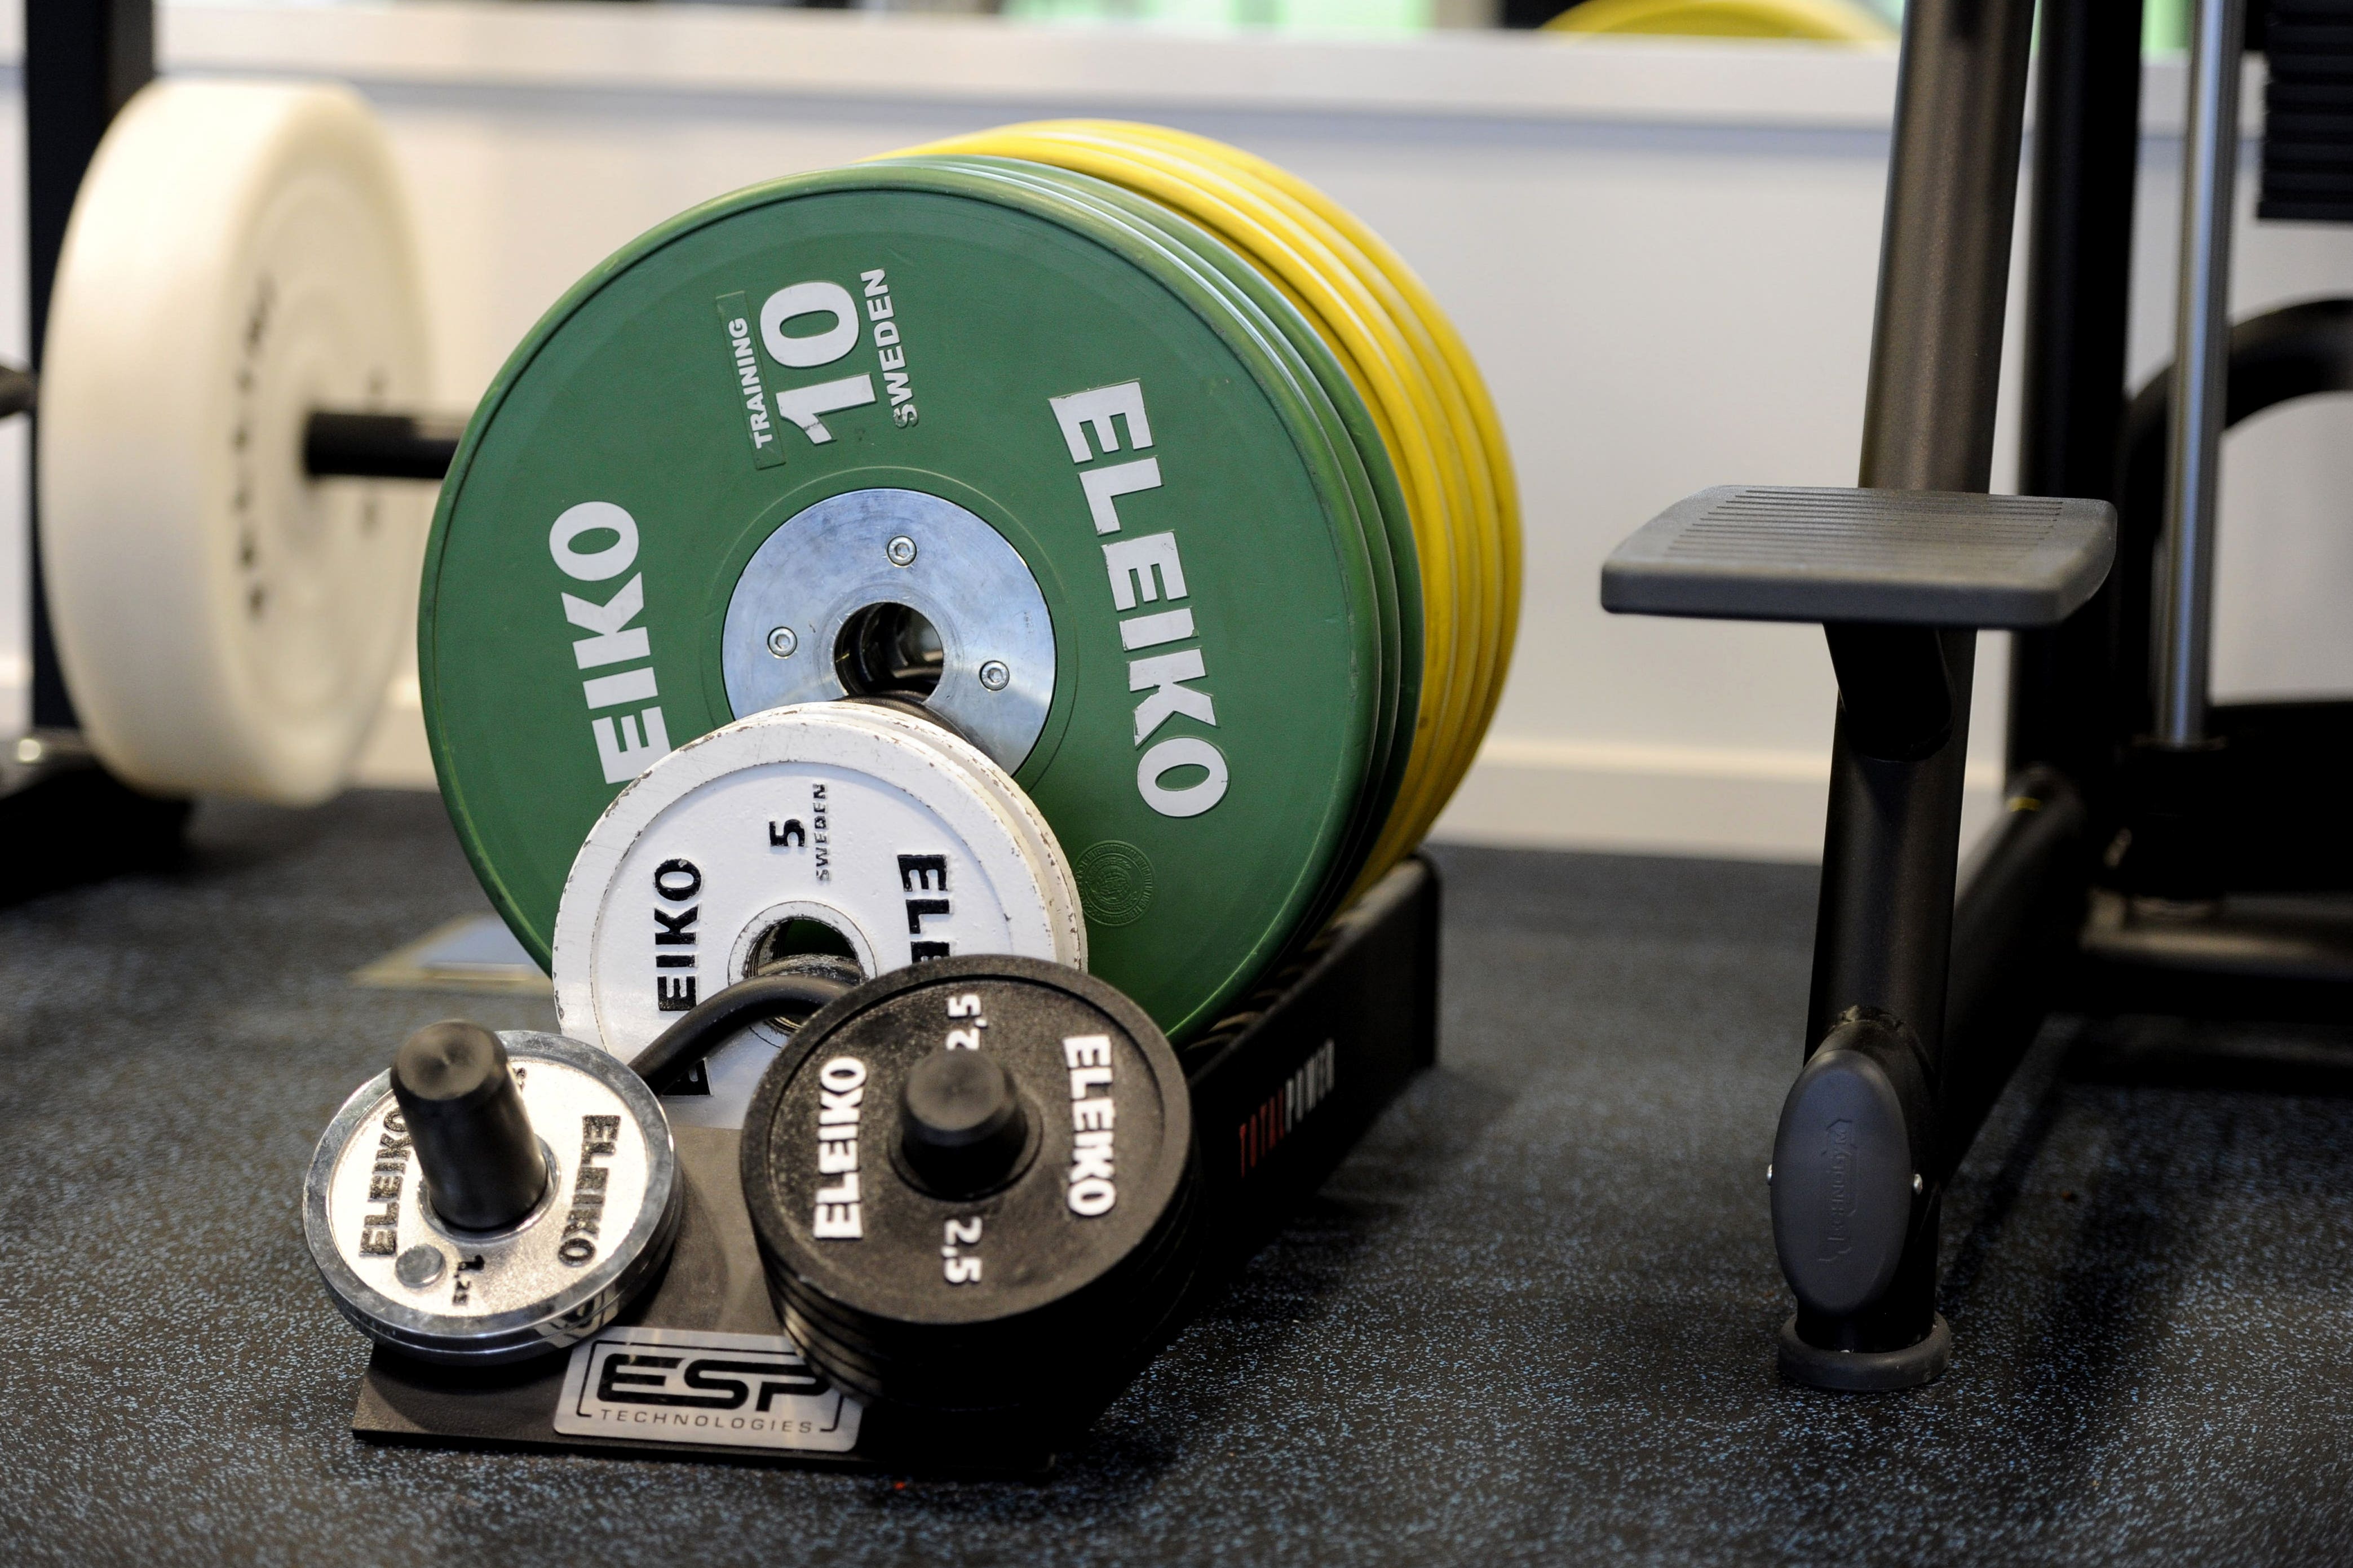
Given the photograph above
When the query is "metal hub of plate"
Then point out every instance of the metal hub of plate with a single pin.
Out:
(877, 829)
(851, 553)
(599, 1234)
(947, 1235)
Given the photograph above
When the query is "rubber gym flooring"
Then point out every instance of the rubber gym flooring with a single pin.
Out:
(1529, 1320)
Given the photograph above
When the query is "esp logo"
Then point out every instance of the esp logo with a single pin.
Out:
(673, 1385)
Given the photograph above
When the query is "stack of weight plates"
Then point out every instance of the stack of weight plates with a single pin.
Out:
(1023, 1285)
(1138, 461)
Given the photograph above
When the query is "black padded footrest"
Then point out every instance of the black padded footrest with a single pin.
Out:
(1767, 552)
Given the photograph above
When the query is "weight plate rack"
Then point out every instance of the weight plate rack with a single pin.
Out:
(1049, 581)
(700, 1364)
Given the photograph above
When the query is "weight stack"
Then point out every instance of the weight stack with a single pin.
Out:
(2308, 112)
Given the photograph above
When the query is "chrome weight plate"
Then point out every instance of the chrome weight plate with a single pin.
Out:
(239, 257)
(599, 1230)
(829, 828)
(970, 1182)
(999, 353)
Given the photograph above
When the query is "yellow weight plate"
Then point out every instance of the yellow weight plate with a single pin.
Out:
(1420, 388)
(1471, 526)
(1824, 21)
(1278, 241)
(1471, 412)
(1473, 388)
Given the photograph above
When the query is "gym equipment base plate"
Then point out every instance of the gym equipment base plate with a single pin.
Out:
(700, 1368)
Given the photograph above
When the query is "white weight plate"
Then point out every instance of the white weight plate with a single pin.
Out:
(239, 256)
(732, 827)
(1059, 882)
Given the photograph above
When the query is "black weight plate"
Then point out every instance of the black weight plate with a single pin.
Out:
(948, 1302)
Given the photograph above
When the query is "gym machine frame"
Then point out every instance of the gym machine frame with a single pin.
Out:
(2135, 807)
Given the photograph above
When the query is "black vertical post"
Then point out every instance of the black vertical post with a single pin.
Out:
(84, 59)
(68, 821)
(2079, 262)
(1883, 931)
(2016, 925)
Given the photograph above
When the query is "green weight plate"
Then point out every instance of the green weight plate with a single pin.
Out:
(1372, 477)
(613, 495)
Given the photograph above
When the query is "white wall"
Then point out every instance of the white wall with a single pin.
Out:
(1662, 255)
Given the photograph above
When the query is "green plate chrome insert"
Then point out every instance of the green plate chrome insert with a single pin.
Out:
(1216, 625)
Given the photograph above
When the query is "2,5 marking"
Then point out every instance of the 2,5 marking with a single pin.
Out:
(960, 1266)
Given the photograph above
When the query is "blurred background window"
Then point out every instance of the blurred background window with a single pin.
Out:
(2165, 28)
(1383, 16)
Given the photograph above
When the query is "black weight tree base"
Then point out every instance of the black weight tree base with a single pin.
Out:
(700, 1368)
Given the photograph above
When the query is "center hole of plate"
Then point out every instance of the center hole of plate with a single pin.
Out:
(797, 937)
(887, 649)
(801, 944)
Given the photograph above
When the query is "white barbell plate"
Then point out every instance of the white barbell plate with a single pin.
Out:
(1060, 883)
(893, 833)
(239, 256)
